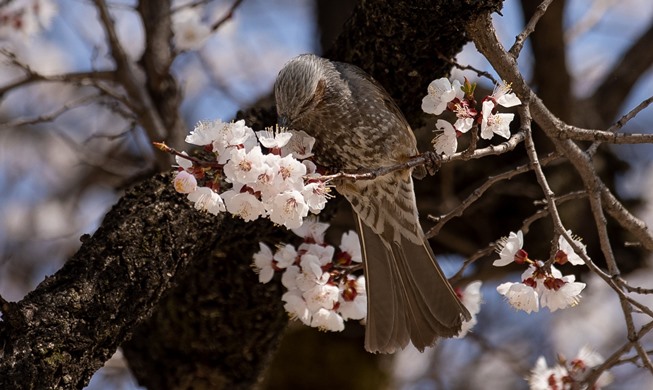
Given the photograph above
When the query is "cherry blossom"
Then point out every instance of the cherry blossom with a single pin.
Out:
(263, 263)
(205, 132)
(296, 307)
(324, 319)
(509, 247)
(561, 293)
(316, 195)
(568, 374)
(245, 167)
(440, 93)
(288, 209)
(350, 244)
(321, 291)
(504, 96)
(353, 299)
(184, 182)
(520, 296)
(285, 256)
(300, 145)
(274, 139)
(494, 123)
(568, 254)
(243, 205)
(208, 200)
(312, 230)
(447, 142)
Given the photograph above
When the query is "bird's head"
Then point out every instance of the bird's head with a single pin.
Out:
(300, 88)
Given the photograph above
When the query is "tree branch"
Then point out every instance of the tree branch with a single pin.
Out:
(481, 31)
(148, 116)
(530, 27)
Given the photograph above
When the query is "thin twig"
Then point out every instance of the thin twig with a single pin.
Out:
(545, 211)
(484, 36)
(530, 27)
(637, 290)
(630, 115)
(199, 162)
(227, 16)
(621, 123)
(578, 134)
(471, 260)
(478, 192)
(479, 73)
(83, 101)
(142, 102)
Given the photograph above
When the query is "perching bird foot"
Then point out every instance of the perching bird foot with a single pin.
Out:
(433, 162)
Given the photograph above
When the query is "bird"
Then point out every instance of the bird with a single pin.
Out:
(358, 126)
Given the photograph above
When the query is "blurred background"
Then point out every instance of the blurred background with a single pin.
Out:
(67, 152)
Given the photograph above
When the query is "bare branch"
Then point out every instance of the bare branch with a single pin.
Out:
(578, 134)
(545, 211)
(630, 115)
(147, 114)
(227, 16)
(83, 101)
(638, 290)
(79, 78)
(199, 162)
(530, 27)
(485, 39)
(471, 260)
(477, 193)
(479, 73)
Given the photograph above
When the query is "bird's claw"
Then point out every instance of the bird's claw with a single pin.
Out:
(432, 163)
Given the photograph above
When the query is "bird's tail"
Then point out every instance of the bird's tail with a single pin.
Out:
(408, 296)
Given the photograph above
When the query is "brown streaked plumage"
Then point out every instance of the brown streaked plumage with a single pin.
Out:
(357, 125)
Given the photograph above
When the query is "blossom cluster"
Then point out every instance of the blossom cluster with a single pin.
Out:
(247, 182)
(541, 284)
(458, 98)
(20, 18)
(567, 375)
(322, 290)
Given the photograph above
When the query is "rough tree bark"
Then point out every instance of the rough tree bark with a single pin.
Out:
(64, 330)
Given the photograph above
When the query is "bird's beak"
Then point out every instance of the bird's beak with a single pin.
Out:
(283, 121)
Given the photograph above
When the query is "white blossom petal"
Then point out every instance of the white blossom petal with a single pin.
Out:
(447, 142)
(184, 182)
(509, 248)
(440, 92)
(312, 229)
(520, 296)
(564, 246)
(494, 123)
(325, 319)
(296, 306)
(208, 200)
(350, 243)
